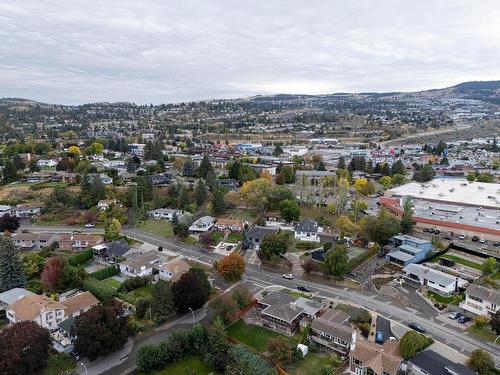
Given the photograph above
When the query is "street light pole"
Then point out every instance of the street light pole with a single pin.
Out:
(192, 312)
(85, 367)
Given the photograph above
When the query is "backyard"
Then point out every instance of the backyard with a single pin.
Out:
(160, 227)
(311, 364)
(254, 336)
(187, 366)
(142, 292)
(112, 282)
(459, 260)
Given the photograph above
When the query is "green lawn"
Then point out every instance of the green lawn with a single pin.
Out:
(244, 214)
(142, 292)
(187, 366)
(112, 283)
(297, 294)
(234, 237)
(459, 260)
(58, 363)
(311, 364)
(45, 223)
(485, 333)
(159, 227)
(254, 336)
(217, 237)
(439, 298)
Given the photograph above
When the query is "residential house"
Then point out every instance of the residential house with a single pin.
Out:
(10, 296)
(408, 249)
(36, 177)
(111, 251)
(369, 358)
(256, 234)
(428, 362)
(203, 224)
(33, 241)
(435, 280)
(282, 312)
(141, 265)
(78, 241)
(104, 204)
(78, 304)
(333, 331)
(480, 300)
(66, 177)
(23, 211)
(172, 271)
(40, 309)
(228, 183)
(46, 163)
(165, 214)
(307, 230)
(136, 149)
(161, 179)
(5, 209)
(229, 225)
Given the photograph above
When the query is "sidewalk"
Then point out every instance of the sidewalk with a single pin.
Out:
(105, 363)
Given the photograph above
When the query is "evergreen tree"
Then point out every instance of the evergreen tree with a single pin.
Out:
(205, 167)
(200, 192)
(183, 199)
(189, 168)
(92, 190)
(341, 164)
(218, 202)
(406, 218)
(9, 173)
(11, 268)
(398, 168)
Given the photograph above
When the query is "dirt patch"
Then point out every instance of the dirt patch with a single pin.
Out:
(379, 282)
(387, 269)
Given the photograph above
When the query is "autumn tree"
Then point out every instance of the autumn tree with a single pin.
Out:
(280, 349)
(25, 348)
(11, 268)
(32, 263)
(225, 307)
(256, 193)
(112, 230)
(231, 267)
(481, 362)
(102, 330)
(52, 272)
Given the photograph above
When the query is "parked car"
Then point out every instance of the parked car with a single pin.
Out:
(304, 288)
(229, 247)
(475, 239)
(351, 274)
(454, 315)
(426, 230)
(436, 231)
(379, 337)
(447, 237)
(288, 276)
(89, 225)
(462, 236)
(416, 327)
(496, 244)
(431, 230)
(464, 319)
(482, 240)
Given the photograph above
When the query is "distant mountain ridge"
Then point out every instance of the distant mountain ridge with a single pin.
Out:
(488, 91)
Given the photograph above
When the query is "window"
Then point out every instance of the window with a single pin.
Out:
(475, 298)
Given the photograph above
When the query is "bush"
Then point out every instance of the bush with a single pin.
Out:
(142, 305)
(81, 258)
(245, 362)
(242, 297)
(356, 261)
(412, 342)
(105, 273)
(134, 283)
(149, 358)
(101, 290)
(481, 321)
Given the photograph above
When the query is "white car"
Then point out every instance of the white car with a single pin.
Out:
(462, 237)
(482, 240)
(89, 225)
(288, 276)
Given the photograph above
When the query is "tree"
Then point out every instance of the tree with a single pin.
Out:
(10, 223)
(341, 163)
(25, 347)
(95, 149)
(346, 226)
(425, 174)
(256, 193)
(412, 342)
(218, 201)
(242, 296)
(205, 167)
(9, 172)
(385, 181)
(102, 330)
(32, 263)
(74, 151)
(52, 272)
(360, 184)
(272, 246)
(381, 227)
(398, 179)
(278, 150)
(200, 192)
(162, 301)
(288, 174)
(112, 230)
(218, 344)
(280, 350)
(398, 168)
(11, 268)
(231, 267)
(489, 266)
(337, 260)
(183, 199)
(290, 210)
(407, 217)
(309, 266)
(92, 190)
(481, 362)
(189, 292)
(225, 307)
(444, 161)
(188, 169)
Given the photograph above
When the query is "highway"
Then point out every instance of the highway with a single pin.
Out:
(440, 331)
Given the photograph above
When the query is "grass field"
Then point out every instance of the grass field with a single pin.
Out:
(159, 227)
(112, 283)
(311, 364)
(142, 292)
(254, 336)
(234, 237)
(58, 363)
(459, 260)
(485, 333)
(187, 366)
(439, 298)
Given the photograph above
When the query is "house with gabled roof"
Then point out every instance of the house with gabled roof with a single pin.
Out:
(371, 358)
(332, 330)
(307, 230)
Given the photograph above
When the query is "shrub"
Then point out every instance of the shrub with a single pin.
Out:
(134, 283)
(105, 273)
(481, 321)
(412, 342)
(81, 258)
(245, 362)
(242, 296)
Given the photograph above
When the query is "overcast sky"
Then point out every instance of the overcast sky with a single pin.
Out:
(163, 51)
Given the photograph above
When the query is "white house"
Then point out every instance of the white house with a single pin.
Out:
(165, 214)
(26, 211)
(141, 265)
(481, 301)
(46, 163)
(104, 204)
(172, 271)
(203, 224)
(432, 279)
(12, 295)
(5, 209)
(307, 230)
(43, 310)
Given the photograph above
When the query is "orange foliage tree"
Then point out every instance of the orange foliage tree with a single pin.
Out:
(231, 267)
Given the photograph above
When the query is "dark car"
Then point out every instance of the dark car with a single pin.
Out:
(426, 230)
(437, 231)
(496, 244)
(417, 327)
(475, 239)
(463, 319)
(303, 288)
(447, 237)
(431, 230)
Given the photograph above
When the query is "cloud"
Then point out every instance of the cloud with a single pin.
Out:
(159, 51)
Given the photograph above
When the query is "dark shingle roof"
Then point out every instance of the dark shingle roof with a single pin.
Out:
(260, 232)
(434, 364)
(307, 225)
(485, 294)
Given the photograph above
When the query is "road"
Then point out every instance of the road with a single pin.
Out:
(445, 333)
(415, 137)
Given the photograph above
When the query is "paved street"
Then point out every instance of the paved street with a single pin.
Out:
(446, 333)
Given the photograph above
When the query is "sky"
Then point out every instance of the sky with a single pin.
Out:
(162, 51)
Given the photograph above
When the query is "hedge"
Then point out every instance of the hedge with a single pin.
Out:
(81, 258)
(105, 273)
(100, 290)
(412, 342)
(356, 261)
